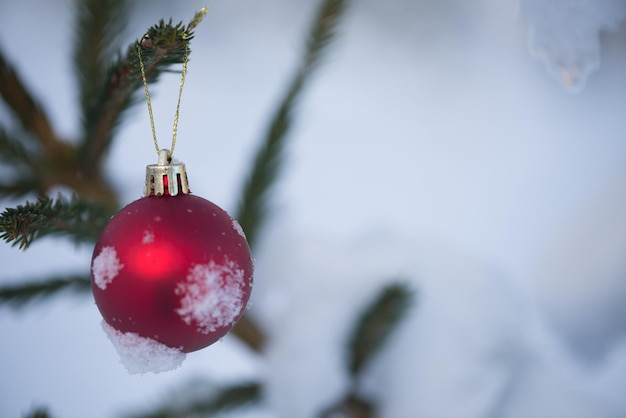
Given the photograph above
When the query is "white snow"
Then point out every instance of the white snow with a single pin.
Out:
(238, 228)
(148, 237)
(105, 267)
(212, 295)
(429, 118)
(142, 355)
(565, 34)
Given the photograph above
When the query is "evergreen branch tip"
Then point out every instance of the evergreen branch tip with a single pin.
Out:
(39, 413)
(206, 401)
(27, 109)
(162, 45)
(197, 18)
(21, 294)
(165, 37)
(81, 219)
(376, 324)
(253, 207)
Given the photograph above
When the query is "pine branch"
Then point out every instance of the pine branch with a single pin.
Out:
(253, 208)
(99, 24)
(162, 46)
(350, 407)
(20, 186)
(229, 398)
(51, 161)
(13, 151)
(223, 400)
(39, 413)
(79, 219)
(376, 324)
(370, 334)
(20, 180)
(248, 331)
(26, 108)
(17, 296)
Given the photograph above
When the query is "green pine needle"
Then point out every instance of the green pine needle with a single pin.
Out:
(376, 325)
(13, 151)
(253, 208)
(230, 398)
(79, 219)
(17, 296)
(99, 24)
(162, 46)
(352, 406)
(24, 106)
(39, 413)
(23, 177)
(19, 187)
(222, 400)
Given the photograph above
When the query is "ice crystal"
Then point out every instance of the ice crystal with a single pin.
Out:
(238, 229)
(148, 237)
(105, 267)
(212, 295)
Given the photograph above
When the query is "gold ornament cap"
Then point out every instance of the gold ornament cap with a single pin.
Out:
(167, 177)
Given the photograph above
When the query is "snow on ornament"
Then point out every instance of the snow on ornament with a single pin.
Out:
(171, 273)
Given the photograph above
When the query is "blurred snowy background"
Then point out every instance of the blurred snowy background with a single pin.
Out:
(434, 146)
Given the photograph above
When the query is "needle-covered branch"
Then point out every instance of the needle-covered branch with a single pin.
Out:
(351, 406)
(25, 107)
(76, 218)
(376, 324)
(253, 208)
(19, 295)
(20, 179)
(38, 413)
(163, 45)
(38, 159)
(207, 404)
(99, 24)
(370, 333)
(12, 150)
(20, 187)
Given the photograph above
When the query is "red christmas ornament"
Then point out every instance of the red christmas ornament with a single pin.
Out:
(171, 272)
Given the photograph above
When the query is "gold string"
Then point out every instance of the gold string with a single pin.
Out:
(180, 93)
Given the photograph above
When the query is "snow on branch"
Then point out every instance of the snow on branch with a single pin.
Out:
(565, 35)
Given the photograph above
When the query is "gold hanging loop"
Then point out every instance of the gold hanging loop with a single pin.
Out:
(180, 94)
(185, 37)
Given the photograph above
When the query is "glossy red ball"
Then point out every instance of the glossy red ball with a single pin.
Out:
(174, 269)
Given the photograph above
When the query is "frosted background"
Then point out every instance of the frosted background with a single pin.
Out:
(433, 145)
